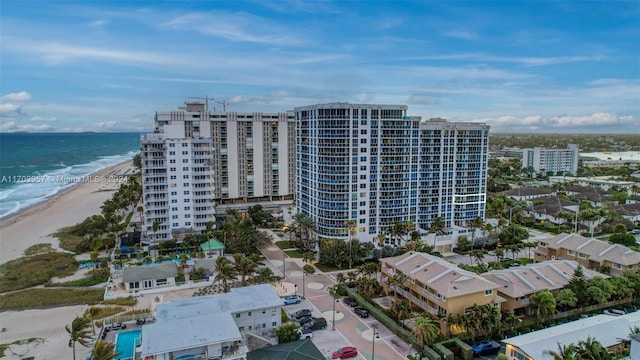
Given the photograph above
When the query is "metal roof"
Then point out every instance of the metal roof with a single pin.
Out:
(149, 272)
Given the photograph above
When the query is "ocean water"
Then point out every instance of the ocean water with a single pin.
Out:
(36, 166)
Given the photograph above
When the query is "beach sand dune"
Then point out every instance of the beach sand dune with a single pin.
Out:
(36, 224)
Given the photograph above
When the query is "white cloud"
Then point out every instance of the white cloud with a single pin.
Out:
(97, 23)
(12, 126)
(524, 61)
(22, 96)
(461, 34)
(597, 122)
(40, 118)
(242, 27)
(10, 110)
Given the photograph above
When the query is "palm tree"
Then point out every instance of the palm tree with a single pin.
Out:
(78, 332)
(544, 304)
(154, 228)
(306, 226)
(566, 298)
(103, 350)
(426, 329)
(438, 228)
(395, 281)
(592, 349)
(225, 272)
(565, 352)
(351, 229)
(402, 309)
(476, 223)
(92, 313)
(245, 267)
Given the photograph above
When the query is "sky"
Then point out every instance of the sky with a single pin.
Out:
(519, 66)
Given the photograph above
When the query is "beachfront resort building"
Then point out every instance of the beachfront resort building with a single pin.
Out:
(198, 162)
(552, 161)
(211, 327)
(436, 285)
(378, 166)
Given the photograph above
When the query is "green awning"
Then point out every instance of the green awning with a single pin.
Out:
(212, 244)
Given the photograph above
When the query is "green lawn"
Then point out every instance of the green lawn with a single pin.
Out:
(284, 245)
(294, 254)
(326, 268)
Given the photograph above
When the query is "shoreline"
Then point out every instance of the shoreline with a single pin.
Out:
(34, 224)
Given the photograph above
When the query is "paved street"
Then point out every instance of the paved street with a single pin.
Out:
(350, 328)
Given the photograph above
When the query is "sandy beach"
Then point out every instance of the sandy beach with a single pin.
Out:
(34, 226)
(37, 223)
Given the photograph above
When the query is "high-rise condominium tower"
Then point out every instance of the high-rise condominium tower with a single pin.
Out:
(377, 166)
(197, 160)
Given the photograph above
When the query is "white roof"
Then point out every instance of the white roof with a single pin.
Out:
(188, 333)
(239, 299)
(606, 329)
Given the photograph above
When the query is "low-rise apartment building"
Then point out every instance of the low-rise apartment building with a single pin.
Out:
(211, 326)
(437, 286)
(591, 253)
(516, 284)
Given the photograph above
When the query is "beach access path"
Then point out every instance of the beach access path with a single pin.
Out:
(36, 224)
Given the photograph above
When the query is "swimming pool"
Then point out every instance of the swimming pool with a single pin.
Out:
(126, 342)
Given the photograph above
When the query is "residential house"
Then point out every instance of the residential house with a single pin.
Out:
(516, 284)
(147, 277)
(211, 326)
(594, 195)
(610, 331)
(551, 209)
(603, 182)
(591, 253)
(630, 212)
(527, 193)
(435, 285)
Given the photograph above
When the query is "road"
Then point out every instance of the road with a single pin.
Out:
(350, 328)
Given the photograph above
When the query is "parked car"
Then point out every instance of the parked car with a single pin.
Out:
(303, 320)
(305, 333)
(361, 311)
(316, 324)
(350, 301)
(485, 347)
(345, 352)
(300, 313)
(292, 299)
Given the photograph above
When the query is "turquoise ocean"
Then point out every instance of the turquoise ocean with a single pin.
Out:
(36, 166)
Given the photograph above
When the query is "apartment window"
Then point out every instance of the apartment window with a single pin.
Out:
(161, 282)
(172, 169)
(185, 152)
(363, 177)
(571, 252)
(172, 145)
(249, 313)
(274, 324)
(543, 244)
(517, 355)
(186, 192)
(630, 267)
(238, 316)
(363, 186)
(175, 224)
(185, 184)
(172, 152)
(174, 201)
(185, 145)
(187, 208)
(186, 168)
(488, 292)
(187, 200)
(187, 223)
(172, 161)
(185, 176)
(175, 208)
(185, 161)
(582, 255)
(616, 266)
(175, 217)
(173, 177)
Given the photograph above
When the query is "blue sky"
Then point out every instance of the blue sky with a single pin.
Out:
(520, 66)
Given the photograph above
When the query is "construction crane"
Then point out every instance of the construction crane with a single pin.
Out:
(224, 104)
(206, 102)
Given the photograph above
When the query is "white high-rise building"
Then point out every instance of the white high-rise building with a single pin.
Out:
(378, 166)
(551, 160)
(197, 160)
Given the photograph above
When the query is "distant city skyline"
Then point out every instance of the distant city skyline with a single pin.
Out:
(519, 66)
